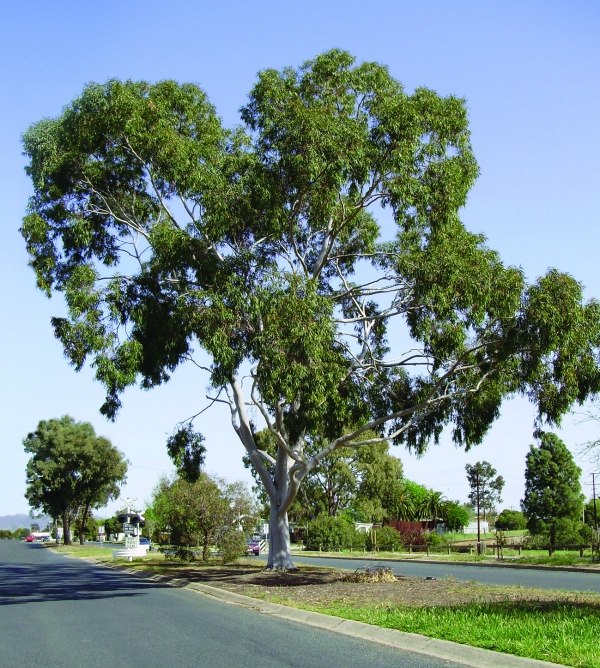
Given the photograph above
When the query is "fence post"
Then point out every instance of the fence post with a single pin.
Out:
(581, 551)
(428, 550)
(410, 549)
(448, 550)
(519, 548)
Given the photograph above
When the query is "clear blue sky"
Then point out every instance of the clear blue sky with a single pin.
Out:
(530, 72)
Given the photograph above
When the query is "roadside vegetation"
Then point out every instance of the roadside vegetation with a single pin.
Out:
(556, 626)
(561, 631)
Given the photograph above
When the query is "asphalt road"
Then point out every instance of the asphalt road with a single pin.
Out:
(544, 579)
(63, 613)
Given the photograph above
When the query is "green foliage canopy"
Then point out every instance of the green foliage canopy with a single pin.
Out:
(455, 515)
(165, 230)
(333, 532)
(511, 520)
(486, 486)
(553, 501)
(71, 471)
(365, 482)
(204, 513)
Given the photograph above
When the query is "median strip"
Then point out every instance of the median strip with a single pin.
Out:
(443, 649)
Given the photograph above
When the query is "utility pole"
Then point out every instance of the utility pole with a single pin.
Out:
(478, 526)
(594, 497)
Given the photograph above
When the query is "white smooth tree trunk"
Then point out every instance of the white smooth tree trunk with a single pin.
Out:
(280, 556)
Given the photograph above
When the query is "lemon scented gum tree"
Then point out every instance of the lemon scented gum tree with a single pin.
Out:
(164, 230)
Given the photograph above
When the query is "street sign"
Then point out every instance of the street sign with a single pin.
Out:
(131, 542)
(128, 529)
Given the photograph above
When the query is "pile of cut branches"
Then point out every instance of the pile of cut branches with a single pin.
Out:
(368, 574)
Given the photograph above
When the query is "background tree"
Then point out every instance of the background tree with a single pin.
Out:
(405, 507)
(71, 471)
(89, 530)
(380, 493)
(417, 493)
(455, 515)
(511, 520)
(331, 488)
(486, 488)
(19, 534)
(553, 501)
(186, 450)
(433, 506)
(112, 527)
(203, 513)
(592, 515)
(367, 482)
(163, 229)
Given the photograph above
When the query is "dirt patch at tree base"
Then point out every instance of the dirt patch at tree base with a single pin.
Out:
(317, 586)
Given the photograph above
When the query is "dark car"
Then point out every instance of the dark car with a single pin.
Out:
(253, 547)
(145, 541)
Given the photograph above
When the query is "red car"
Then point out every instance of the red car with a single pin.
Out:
(253, 548)
(29, 539)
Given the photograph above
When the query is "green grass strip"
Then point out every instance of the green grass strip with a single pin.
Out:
(565, 633)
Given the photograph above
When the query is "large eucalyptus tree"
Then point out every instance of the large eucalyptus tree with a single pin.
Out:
(262, 246)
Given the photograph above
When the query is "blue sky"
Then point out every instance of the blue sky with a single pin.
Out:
(528, 70)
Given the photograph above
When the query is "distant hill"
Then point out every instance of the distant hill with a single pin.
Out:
(13, 522)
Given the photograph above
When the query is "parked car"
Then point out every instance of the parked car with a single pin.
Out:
(29, 539)
(253, 547)
(145, 541)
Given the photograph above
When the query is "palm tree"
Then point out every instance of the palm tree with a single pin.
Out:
(433, 506)
(404, 506)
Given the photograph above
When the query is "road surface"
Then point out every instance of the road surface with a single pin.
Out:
(67, 613)
(544, 579)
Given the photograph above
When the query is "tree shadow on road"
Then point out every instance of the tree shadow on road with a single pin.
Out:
(31, 583)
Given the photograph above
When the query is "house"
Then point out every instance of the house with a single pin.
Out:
(363, 527)
(471, 528)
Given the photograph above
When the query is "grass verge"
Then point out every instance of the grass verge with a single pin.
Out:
(100, 553)
(529, 557)
(559, 632)
(561, 627)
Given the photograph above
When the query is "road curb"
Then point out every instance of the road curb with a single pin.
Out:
(475, 657)
(482, 564)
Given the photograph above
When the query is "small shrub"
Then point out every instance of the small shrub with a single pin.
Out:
(412, 537)
(179, 552)
(333, 532)
(232, 545)
(534, 542)
(511, 520)
(433, 540)
(385, 538)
